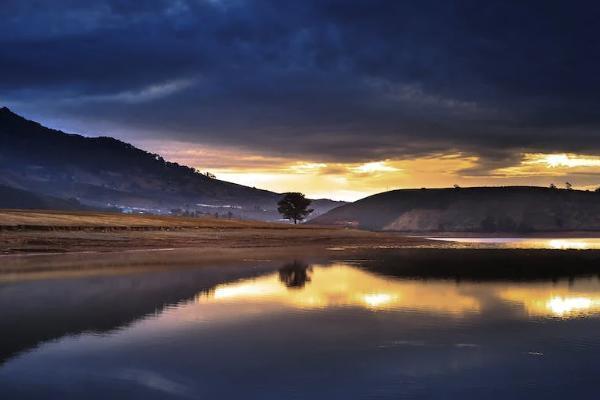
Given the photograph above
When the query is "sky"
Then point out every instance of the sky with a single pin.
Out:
(335, 98)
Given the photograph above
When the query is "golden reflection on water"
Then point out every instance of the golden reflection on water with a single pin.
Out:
(531, 243)
(342, 285)
(562, 300)
(563, 244)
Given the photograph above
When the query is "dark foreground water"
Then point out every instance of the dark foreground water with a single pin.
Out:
(340, 328)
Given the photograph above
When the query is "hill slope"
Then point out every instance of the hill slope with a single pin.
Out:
(17, 198)
(106, 172)
(483, 209)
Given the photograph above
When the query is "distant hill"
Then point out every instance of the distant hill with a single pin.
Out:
(477, 209)
(17, 198)
(104, 172)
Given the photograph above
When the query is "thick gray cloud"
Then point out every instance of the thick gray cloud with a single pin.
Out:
(326, 79)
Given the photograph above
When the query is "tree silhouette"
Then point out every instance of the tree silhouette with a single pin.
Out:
(295, 275)
(294, 206)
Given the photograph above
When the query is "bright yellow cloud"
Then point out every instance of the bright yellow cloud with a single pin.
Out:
(562, 160)
(354, 180)
(375, 166)
(351, 181)
(307, 167)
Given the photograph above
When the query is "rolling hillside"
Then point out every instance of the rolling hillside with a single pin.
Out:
(477, 209)
(104, 172)
(23, 199)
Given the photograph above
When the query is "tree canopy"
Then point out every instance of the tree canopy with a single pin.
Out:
(294, 206)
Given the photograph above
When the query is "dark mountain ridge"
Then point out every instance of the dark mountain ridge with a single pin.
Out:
(475, 209)
(106, 172)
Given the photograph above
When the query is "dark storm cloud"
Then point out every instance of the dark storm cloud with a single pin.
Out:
(326, 79)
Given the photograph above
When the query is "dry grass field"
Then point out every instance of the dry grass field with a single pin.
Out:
(25, 231)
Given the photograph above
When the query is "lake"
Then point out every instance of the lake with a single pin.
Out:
(384, 324)
(527, 243)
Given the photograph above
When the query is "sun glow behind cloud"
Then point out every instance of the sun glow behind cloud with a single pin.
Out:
(346, 180)
(374, 167)
(582, 170)
(568, 160)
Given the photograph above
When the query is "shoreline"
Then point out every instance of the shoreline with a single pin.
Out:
(40, 232)
(503, 235)
(37, 232)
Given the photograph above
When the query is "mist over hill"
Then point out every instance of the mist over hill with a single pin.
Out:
(104, 172)
(476, 209)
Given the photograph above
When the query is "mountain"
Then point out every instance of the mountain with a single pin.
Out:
(104, 172)
(476, 209)
(17, 198)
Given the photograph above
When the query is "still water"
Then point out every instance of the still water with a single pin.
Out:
(528, 243)
(344, 327)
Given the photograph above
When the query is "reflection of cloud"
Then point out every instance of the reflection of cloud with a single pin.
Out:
(554, 301)
(563, 244)
(342, 285)
(560, 305)
(153, 380)
(530, 243)
(376, 300)
(350, 287)
(250, 289)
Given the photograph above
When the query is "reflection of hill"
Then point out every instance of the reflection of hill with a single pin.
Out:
(486, 264)
(37, 311)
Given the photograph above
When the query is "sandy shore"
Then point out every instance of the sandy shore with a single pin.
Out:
(28, 232)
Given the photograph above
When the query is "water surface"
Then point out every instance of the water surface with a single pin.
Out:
(527, 243)
(347, 327)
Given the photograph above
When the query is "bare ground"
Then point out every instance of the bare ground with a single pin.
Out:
(27, 232)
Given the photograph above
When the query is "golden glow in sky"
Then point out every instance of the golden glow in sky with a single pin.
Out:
(566, 160)
(353, 180)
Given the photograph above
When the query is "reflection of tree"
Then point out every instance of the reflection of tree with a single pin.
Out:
(295, 275)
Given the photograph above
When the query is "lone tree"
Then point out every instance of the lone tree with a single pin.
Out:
(294, 206)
